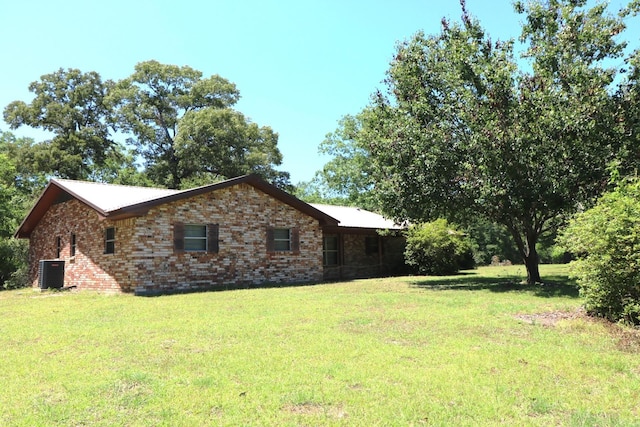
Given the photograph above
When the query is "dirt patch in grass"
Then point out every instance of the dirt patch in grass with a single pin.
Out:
(315, 409)
(627, 339)
(550, 318)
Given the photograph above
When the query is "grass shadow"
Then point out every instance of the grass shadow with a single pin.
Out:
(553, 286)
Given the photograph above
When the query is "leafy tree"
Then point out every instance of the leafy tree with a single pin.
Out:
(181, 122)
(70, 104)
(462, 131)
(437, 248)
(314, 191)
(346, 177)
(122, 168)
(14, 197)
(222, 143)
(606, 240)
(628, 97)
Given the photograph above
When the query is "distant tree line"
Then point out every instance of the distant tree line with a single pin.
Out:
(179, 124)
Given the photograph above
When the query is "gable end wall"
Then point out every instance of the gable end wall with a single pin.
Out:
(90, 268)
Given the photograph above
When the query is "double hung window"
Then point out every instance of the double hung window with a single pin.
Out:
(110, 240)
(195, 237)
(283, 240)
(330, 250)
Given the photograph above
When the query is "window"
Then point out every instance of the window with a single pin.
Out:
(73, 245)
(283, 240)
(195, 237)
(58, 246)
(110, 240)
(371, 245)
(330, 250)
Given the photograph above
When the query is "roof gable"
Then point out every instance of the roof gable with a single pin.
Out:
(120, 202)
(105, 198)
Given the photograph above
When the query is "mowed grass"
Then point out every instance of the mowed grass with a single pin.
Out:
(475, 349)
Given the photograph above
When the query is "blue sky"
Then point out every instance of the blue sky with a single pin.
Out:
(299, 65)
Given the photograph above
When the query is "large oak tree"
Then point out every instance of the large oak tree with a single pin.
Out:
(69, 104)
(184, 127)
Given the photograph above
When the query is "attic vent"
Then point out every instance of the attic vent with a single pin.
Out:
(51, 274)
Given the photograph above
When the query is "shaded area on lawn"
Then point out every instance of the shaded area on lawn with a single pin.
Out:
(553, 285)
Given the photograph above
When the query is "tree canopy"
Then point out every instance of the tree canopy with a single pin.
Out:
(179, 123)
(464, 129)
(183, 126)
(70, 105)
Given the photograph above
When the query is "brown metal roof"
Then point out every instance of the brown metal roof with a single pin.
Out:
(120, 201)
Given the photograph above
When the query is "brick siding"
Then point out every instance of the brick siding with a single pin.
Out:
(145, 260)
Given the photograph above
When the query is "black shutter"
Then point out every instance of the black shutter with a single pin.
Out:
(295, 240)
(213, 232)
(271, 247)
(178, 237)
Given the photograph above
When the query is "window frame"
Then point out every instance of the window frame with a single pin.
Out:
(281, 244)
(109, 243)
(293, 240)
(200, 238)
(73, 245)
(212, 242)
(326, 251)
(372, 245)
(58, 246)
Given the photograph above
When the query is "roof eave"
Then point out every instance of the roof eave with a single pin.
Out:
(253, 180)
(54, 189)
(47, 198)
(359, 230)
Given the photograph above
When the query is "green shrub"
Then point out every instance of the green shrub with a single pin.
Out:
(436, 248)
(606, 242)
(13, 263)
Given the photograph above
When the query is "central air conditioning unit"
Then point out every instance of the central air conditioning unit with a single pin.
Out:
(51, 274)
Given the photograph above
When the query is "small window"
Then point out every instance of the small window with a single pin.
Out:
(73, 245)
(371, 245)
(281, 239)
(330, 250)
(110, 240)
(195, 238)
(58, 246)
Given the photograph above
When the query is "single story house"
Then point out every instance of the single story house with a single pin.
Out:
(239, 232)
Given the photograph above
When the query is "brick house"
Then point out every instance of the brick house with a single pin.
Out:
(235, 233)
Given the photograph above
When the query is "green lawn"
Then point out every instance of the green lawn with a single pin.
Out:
(475, 349)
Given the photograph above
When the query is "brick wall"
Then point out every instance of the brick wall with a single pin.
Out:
(145, 261)
(90, 268)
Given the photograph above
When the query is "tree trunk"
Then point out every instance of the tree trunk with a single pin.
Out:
(533, 270)
(529, 254)
(531, 260)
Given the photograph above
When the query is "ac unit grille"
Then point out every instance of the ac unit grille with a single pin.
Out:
(51, 274)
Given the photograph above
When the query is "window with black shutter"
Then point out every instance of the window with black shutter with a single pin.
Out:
(283, 240)
(196, 238)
